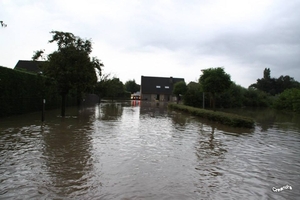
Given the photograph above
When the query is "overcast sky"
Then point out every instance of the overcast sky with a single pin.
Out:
(163, 37)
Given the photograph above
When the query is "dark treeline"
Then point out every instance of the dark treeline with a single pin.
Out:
(279, 93)
(274, 86)
(111, 88)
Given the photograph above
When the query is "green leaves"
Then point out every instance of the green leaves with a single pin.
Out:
(180, 88)
(215, 80)
(71, 65)
(274, 86)
(288, 100)
(131, 86)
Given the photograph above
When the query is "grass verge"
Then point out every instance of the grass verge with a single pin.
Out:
(221, 117)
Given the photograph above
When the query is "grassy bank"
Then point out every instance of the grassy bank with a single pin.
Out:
(221, 117)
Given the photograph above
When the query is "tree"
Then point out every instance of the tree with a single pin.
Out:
(111, 88)
(288, 100)
(179, 89)
(115, 88)
(231, 98)
(214, 81)
(71, 66)
(274, 86)
(131, 86)
(102, 86)
(194, 95)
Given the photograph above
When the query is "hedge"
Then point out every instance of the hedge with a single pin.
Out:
(22, 92)
(221, 117)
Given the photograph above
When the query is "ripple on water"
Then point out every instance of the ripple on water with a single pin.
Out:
(124, 152)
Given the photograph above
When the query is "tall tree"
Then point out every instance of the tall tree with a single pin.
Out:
(179, 89)
(274, 86)
(71, 65)
(101, 87)
(194, 95)
(115, 88)
(214, 81)
(110, 88)
(131, 86)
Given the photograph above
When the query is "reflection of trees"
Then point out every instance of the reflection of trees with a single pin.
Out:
(209, 152)
(111, 111)
(266, 118)
(153, 109)
(67, 155)
(208, 146)
(179, 119)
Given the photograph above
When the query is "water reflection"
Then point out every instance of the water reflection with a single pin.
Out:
(153, 109)
(110, 111)
(266, 118)
(123, 150)
(67, 154)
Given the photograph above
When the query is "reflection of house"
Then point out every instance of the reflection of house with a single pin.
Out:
(29, 66)
(158, 88)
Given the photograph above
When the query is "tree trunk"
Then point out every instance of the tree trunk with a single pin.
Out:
(214, 102)
(63, 105)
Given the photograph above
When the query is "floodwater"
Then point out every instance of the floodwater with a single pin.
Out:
(141, 150)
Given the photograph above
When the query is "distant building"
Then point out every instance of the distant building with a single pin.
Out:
(29, 66)
(136, 96)
(158, 88)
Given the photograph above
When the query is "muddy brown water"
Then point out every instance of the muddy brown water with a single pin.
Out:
(141, 150)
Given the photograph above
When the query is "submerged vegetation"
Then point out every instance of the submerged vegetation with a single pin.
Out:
(221, 117)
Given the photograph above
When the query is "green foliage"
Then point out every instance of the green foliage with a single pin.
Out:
(288, 100)
(111, 88)
(194, 95)
(23, 92)
(221, 117)
(70, 65)
(238, 96)
(256, 98)
(179, 88)
(131, 86)
(214, 81)
(115, 88)
(233, 97)
(274, 86)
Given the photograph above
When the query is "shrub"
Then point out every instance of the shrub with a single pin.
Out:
(288, 100)
(22, 92)
(224, 118)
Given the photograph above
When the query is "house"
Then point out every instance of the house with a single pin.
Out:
(136, 96)
(29, 66)
(158, 88)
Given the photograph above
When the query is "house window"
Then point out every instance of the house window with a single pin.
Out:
(167, 87)
(158, 86)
